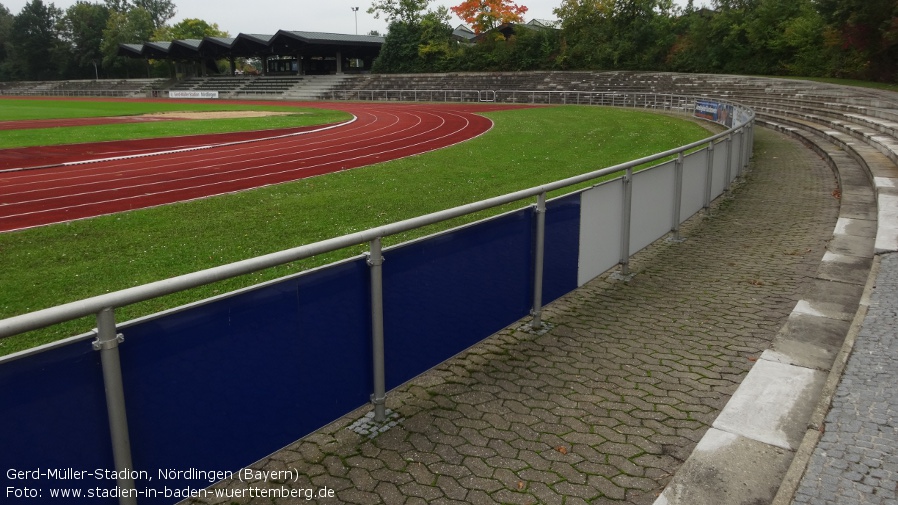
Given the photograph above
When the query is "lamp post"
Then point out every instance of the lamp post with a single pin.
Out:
(355, 11)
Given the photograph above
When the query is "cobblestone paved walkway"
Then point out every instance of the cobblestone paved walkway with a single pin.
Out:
(856, 461)
(604, 407)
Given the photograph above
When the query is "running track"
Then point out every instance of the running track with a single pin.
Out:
(87, 180)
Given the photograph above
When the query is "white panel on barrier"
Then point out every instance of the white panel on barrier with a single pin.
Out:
(695, 172)
(736, 166)
(600, 229)
(653, 197)
(718, 178)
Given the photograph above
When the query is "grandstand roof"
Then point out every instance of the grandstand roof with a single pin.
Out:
(463, 33)
(251, 45)
(508, 29)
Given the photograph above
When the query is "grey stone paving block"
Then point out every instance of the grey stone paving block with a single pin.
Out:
(728, 469)
(773, 404)
(887, 226)
(629, 379)
(850, 246)
(856, 227)
(858, 210)
(848, 269)
(808, 341)
(858, 193)
(854, 461)
(836, 300)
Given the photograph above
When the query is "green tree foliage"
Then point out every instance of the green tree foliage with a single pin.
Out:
(409, 12)
(83, 26)
(118, 5)
(399, 53)
(35, 49)
(190, 28)
(435, 47)
(840, 38)
(160, 10)
(42, 42)
(867, 31)
(615, 34)
(133, 26)
(6, 21)
(527, 48)
(805, 35)
(417, 40)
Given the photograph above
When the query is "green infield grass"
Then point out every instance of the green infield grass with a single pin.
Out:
(50, 265)
(22, 109)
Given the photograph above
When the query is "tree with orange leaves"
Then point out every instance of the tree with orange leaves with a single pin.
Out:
(484, 15)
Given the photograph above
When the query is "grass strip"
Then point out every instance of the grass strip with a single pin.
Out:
(55, 264)
(18, 110)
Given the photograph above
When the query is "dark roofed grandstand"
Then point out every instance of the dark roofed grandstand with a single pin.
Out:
(509, 29)
(285, 52)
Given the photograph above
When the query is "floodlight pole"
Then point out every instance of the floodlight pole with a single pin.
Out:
(355, 11)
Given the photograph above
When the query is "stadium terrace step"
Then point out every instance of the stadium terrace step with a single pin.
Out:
(883, 138)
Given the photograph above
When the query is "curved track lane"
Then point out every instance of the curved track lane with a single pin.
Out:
(188, 168)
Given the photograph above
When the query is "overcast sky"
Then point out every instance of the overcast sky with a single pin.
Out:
(269, 16)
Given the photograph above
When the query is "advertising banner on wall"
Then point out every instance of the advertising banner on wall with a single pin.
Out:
(706, 110)
(192, 94)
(714, 111)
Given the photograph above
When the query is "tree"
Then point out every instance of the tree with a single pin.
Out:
(615, 34)
(6, 20)
(35, 46)
(806, 36)
(131, 27)
(416, 41)
(766, 26)
(190, 28)
(83, 26)
(404, 11)
(399, 53)
(484, 15)
(118, 5)
(160, 10)
(435, 46)
(867, 31)
(527, 48)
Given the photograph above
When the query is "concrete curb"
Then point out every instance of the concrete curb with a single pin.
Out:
(815, 424)
(762, 440)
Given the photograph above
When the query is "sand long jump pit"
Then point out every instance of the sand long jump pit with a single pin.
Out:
(222, 114)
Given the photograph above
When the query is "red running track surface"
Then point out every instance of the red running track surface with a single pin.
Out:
(89, 180)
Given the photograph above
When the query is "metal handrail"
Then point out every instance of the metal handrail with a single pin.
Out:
(90, 306)
(103, 306)
(497, 96)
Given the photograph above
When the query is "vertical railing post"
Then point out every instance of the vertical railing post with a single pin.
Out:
(709, 175)
(107, 343)
(625, 223)
(678, 197)
(729, 165)
(741, 151)
(751, 141)
(538, 260)
(375, 262)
